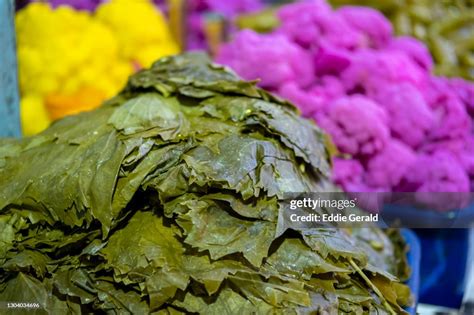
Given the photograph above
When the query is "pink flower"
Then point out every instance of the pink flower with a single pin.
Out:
(299, 21)
(410, 117)
(357, 125)
(387, 168)
(462, 149)
(337, 32)
(271, 58)
(331, 60)
(308, 103)
(370, 69)
(415, 49)
(437, 172)
(467, 156)
(439, 181)
(347, 173)
(451, 118)
(314, 100)
(373, 24)
(464, 90)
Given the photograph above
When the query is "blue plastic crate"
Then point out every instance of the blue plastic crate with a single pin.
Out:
(414, 259)
(443, 266)
(444, 250)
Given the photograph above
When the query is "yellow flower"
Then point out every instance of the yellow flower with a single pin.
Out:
(73, 60)
(137, 25)
(34, 117)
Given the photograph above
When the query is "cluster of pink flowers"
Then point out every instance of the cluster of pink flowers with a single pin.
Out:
(396, 125)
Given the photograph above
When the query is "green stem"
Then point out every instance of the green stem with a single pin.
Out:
(376, 290)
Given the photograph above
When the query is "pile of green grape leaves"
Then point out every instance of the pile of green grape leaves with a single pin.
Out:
(165, 200)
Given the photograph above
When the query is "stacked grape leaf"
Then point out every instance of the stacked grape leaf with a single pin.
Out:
(165, 200)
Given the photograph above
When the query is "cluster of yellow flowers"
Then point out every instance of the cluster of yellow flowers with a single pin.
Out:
(71, 60)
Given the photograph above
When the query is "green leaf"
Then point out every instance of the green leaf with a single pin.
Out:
(209, 228)
(227, 303)
(26, 289)
(293, 257)
(144, 241)
(274, 291)
(27, 261)
(149, 111)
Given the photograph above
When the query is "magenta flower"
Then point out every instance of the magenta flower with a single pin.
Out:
(357, 125)
(464, 90)
(330, 60)
(308, 103)
(452, 119)
(348, 174)
(467, 156)
(413, 48)
(462, 149)
(387, 168)
(336, 31)
(299, 21)
(410, 117)
(436, 172)
(313, 101)
(271, 58)
(433, 177)
(376, 28)
(371, 69)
